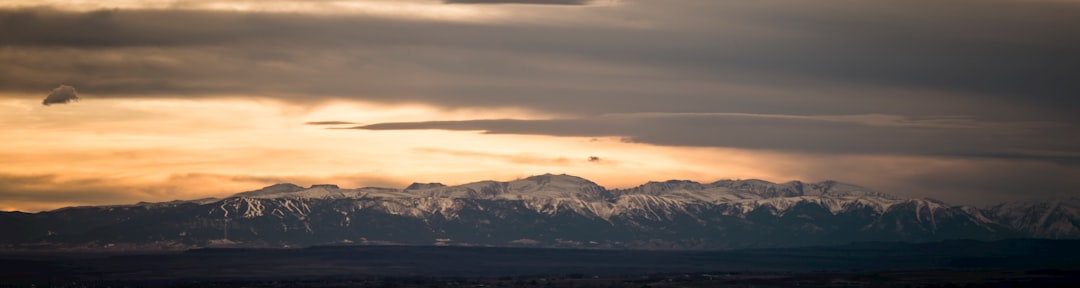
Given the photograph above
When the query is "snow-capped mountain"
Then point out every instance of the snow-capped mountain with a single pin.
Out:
(546, 210)
(1053, 219)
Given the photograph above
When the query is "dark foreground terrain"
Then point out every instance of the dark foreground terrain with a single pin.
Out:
(1008, 263)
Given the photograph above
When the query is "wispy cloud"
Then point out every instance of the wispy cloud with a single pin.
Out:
(541, 2)
(521, 158)
(330, 123)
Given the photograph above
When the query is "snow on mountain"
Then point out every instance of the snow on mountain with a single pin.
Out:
(751, 194)
(422, 186)
(276, 189)
(764, 188)
(690, 191)
(549, 194)
(1050, 219)
(535, 187)
(557, 210)
(553, 194)
(829, 188)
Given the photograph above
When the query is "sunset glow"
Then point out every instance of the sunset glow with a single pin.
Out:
(193, 99)
(154, 150)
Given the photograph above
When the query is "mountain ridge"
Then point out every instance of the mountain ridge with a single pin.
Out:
(768, 189)
(547, 211)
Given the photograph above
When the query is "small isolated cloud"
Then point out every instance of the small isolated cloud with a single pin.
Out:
(542, 2)
(61, 95)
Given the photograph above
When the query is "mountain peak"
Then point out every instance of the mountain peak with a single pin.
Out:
(272, 189)
(559, 179)
(555, 186)
(282, 187)
(654, 187)
(764, 188)
(421, 186)
(841, 189)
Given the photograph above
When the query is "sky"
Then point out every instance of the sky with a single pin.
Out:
(110, 102)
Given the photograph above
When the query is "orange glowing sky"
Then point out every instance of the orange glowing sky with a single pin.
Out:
(179, 149)
(205, 98)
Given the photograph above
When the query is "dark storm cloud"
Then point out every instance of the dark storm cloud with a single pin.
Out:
(859, 134)
(542, 2)
(1006, 59)
(61, 95)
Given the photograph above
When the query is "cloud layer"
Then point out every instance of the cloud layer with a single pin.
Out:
(541, 2)
(1010, 61)
(928, 97)
(858, 134)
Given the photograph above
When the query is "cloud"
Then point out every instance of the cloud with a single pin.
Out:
(833, 134)
(329, 123)
(1011, 61)
(967, 181)
(61, 95)
(522, 158)
(244, 182)
(831, 77)
(991, 181)
(55, 191)
(540, 2)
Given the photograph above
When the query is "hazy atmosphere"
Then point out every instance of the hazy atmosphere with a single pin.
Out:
(114, 102)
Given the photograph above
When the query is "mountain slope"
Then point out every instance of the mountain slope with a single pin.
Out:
(545, 210)
(1053, 219)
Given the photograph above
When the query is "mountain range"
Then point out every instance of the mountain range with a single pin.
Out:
(542, 211)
